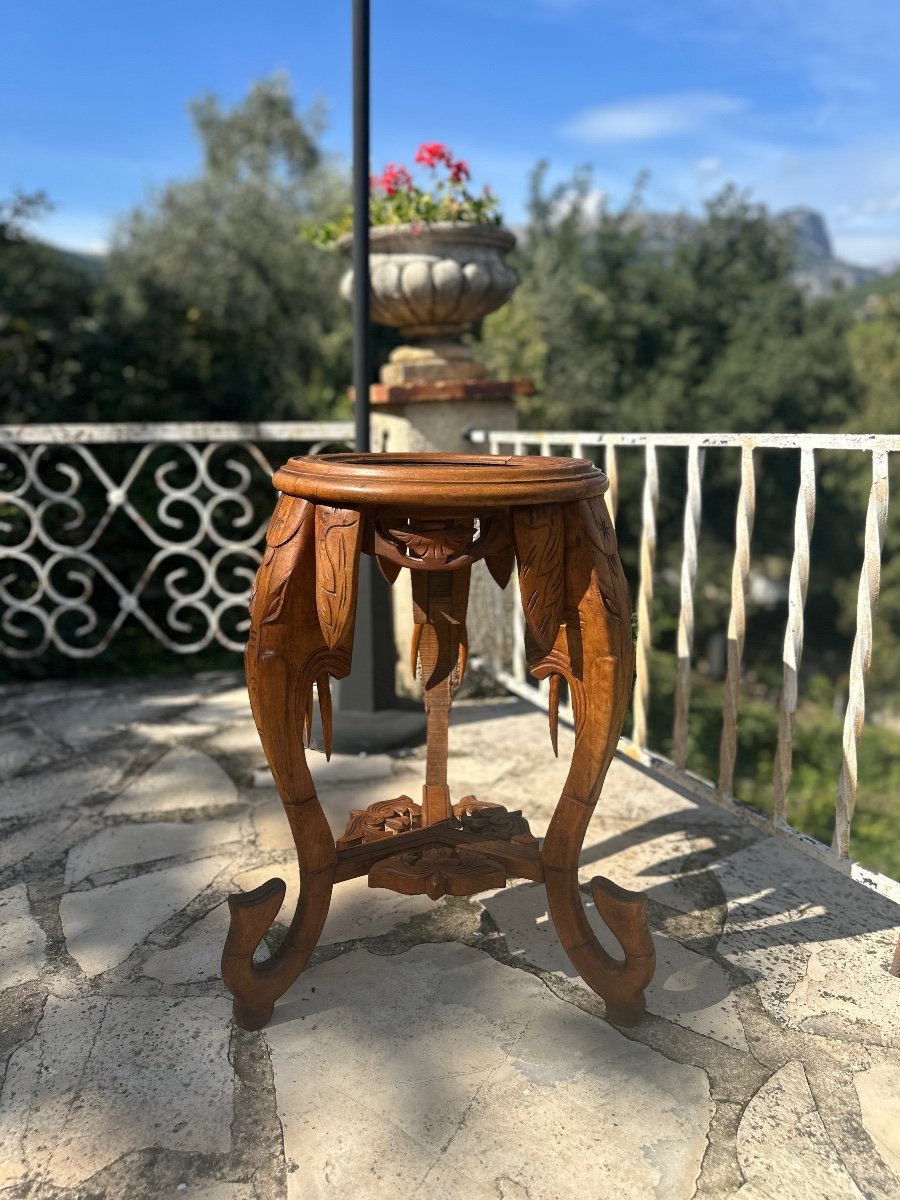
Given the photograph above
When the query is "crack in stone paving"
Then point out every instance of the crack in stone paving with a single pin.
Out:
(257, 1146)
(477, 1094)
(75, 1097)
(256, 1159)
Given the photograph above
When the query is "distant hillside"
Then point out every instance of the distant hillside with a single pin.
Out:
(93, 264)
(818, 271)
(883, 285)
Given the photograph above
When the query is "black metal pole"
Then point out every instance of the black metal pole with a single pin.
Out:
(362, 338)
(369, 688)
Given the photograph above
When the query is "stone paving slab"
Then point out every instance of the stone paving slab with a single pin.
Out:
(107, 1076)
(477, 1064)
(22, 940)
(182, 778)
(429, 1049)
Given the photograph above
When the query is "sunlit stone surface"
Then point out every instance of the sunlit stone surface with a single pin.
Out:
(440, 1049)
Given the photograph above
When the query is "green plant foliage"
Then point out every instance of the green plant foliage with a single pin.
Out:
(257, 316)
(704, 331)
(395, 198)
(817, 757)
(210, 305)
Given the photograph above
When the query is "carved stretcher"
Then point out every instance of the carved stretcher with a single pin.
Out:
(436, 515)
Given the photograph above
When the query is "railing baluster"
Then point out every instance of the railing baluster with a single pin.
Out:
(611, 468)
(861, 658)
(804, 516)
(645, 597)
(737, 622)
(519, 665)
(685, 643)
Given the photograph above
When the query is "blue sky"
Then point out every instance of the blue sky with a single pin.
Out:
(796, 100)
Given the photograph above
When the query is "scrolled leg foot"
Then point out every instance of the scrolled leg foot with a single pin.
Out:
(625, 915)
(619, 982)
(256, 986)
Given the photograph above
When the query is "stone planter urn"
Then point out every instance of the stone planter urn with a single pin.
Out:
(431, 282)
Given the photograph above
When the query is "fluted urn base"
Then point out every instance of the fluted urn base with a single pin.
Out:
(433, 281)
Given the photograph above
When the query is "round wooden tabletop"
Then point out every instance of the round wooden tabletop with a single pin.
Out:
(440, 481)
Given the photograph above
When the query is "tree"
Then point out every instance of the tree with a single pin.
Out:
(680, 324)
(244, 317)
(46, 319)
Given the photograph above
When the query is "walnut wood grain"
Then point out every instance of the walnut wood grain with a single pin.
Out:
(338, 541)
(593, 653)
(441, 483)
(420, 512)
(540, 544)
(384, 819)
(438, 871)
(286, 653)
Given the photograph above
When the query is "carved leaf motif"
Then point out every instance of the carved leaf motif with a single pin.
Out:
(438, 542)
(493, 821)
(323, 689)
(600, 532)
(501, 563)
(598, 525)
(288, 517)
(539, 545)
(338, 540)
(275, 601)
(553, 713)
(438, 871)
(381, 820)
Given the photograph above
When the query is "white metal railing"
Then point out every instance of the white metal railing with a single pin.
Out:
(161, 524)
(697, 447)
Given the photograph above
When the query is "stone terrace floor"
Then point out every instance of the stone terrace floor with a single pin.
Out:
(430, 1049)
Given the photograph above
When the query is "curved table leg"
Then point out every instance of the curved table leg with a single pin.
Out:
(578, 615)
(301, 632)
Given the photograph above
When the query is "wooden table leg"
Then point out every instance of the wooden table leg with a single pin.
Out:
(439, 652)
(302, 616)
(578, 615)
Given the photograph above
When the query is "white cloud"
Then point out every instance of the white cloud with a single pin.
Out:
(708, 166)
(649, 117)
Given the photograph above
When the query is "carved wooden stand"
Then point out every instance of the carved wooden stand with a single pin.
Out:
(436, 515)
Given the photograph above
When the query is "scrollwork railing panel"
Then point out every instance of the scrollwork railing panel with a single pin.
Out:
(103, 528)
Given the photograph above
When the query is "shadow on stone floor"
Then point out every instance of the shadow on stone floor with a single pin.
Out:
(413, 1056)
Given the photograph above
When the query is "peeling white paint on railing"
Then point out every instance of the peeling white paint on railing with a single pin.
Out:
(798, 586)
(181, 506)
(153, 432)
(737, 620)
(879, 448)
(861, 659)
(685, 643)
(649, 502)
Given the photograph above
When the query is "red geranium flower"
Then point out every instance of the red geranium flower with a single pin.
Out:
(395, 179)
(432, 153)
(459, 171)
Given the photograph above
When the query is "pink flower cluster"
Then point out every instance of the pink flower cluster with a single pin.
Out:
(432, 154)
(394, 178)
